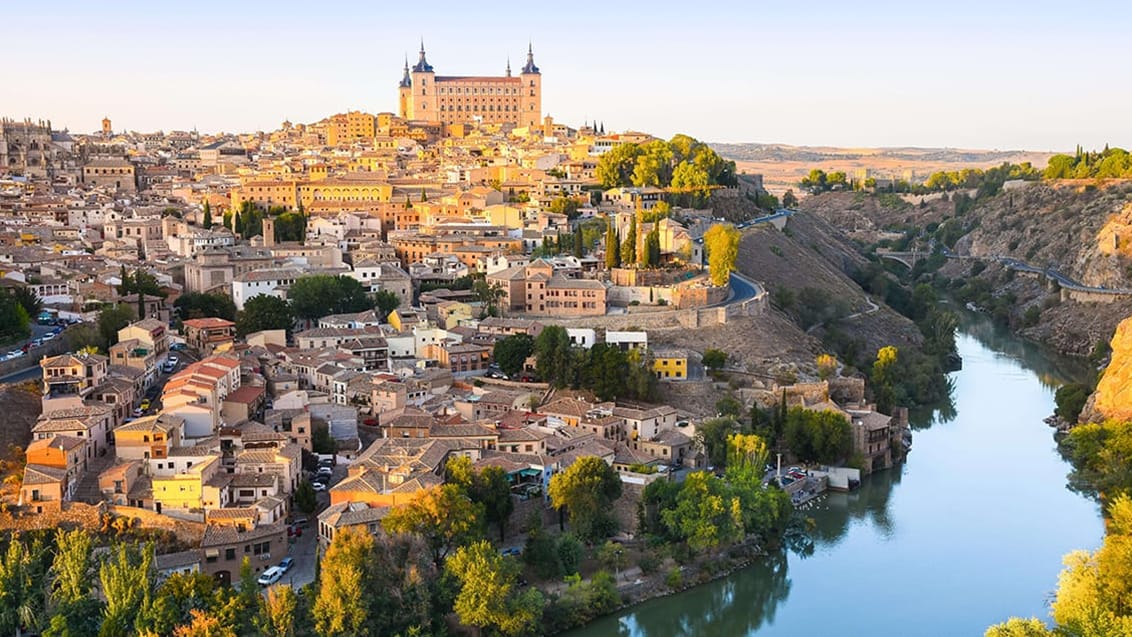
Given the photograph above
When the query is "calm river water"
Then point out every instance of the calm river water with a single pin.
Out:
(968, 532)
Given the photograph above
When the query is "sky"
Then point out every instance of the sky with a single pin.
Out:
(990, 74)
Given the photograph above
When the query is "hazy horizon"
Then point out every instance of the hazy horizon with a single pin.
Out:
(970, 75)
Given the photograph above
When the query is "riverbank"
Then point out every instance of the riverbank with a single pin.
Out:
(928, 545)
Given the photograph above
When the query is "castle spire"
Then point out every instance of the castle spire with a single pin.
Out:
(422, 65)
(508, 66)
(406, 81)
(530, 67)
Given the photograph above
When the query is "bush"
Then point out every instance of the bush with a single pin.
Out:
(675, 578)
(1070, 401)
(648, 562)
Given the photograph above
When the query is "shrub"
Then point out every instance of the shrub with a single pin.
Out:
(675, 578)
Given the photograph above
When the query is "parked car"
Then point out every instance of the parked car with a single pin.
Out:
(137, 412)
(173, 360)
(286, 563)
(270, 576)
(513, 550)
(318, 486)
(300, 521)
(145, 404)
(177, 347)
(325, 471)
(48, 336)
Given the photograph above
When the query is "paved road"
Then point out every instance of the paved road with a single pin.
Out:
(32, 356)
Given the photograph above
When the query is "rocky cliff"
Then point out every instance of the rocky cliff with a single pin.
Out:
(1113, 396)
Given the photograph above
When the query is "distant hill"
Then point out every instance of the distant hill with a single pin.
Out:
(783, 166)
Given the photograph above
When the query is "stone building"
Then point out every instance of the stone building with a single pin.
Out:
(110, 173)
(506, 99)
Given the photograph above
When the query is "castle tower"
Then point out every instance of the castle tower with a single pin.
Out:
(405, 91)
(423, 81)
(530, 103)
(268, 232)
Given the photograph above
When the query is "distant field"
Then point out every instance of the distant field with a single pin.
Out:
(784, 166)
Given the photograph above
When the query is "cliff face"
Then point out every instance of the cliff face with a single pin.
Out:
(1113, 397)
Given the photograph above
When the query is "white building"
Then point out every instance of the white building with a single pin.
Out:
(271, 282)
(628, 340)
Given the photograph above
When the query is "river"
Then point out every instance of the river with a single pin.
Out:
(969, 531)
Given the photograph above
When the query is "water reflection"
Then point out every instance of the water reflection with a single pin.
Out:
(710, 610)
(1051, 370)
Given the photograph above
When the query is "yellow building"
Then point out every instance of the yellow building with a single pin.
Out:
(670, 364)
(344, 128)
(191, 489)
(453, 100)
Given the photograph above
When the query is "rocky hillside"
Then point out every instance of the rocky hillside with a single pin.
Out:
(1113, 396)
(1082, 229)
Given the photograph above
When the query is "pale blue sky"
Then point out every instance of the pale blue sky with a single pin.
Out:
(1037, 75)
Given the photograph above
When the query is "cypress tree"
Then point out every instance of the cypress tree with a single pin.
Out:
(207, 222)
(612, 246)
(579, 249)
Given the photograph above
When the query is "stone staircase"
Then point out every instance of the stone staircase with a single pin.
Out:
(87, 489)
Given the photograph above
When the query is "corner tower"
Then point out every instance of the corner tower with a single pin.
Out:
(530, 103)
(422, 105)
(405, 92)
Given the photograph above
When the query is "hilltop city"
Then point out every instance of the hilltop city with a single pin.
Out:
(247, 345)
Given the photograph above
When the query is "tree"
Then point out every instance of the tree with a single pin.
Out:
(565, 206)
(488, 597)
(587, 489)
(20, 589)
(305, 497)
(202, 624)
(14, 319)
(629, 246)
(111, 319)
(72, 570)
(443, 516)
(27, 299)
(706, 515)
(722, 245)
(264, 312)
(789, 200)
(552, 350)
(385, 301)
(884, 379)
(712, 435)
(512, 352)
(1017, 627)
(824, 436)
(579, 250)
(313, 297)
(492, 490)
(204, 305)
(206, 223)
(615, 167)
(714, 358)
(278, 612)
(827, 366)
(612, 556)
(612, 246)
(489, 295)
(321, 440)
(341, 607)
(127, 577)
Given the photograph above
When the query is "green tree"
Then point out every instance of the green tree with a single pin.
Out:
(321, 440)
(824, 436)
(489, 295)
(127, 577)
(306, 500)
(264, 312)
(512, 351)
(712, 435)
(443, 516)
(27, 299)
(72, 570)
(615, 167)
(552, 350)
(612, 246)
(789, 200)
(313, 297)
(587, 489)
(722, 245)
(579, 250)
(653, 166)
(204, 305)
(111, 319)
(206, 223)
(14, 319)
(21, 594)
(714, 358)
(565, 206)
(629, 246)
(706, 516)
(385, 301)
(489, 596)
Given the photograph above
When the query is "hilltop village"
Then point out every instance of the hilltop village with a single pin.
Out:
(259, 340)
